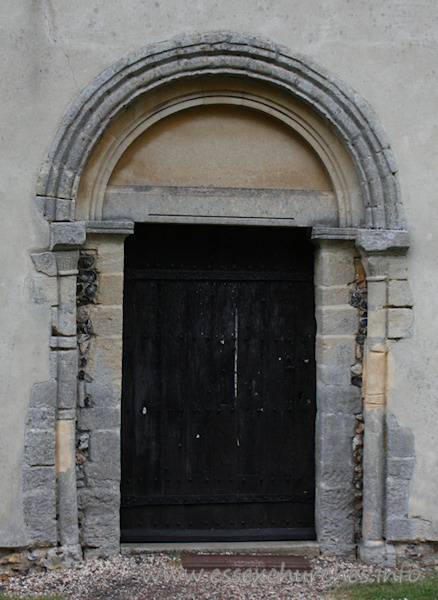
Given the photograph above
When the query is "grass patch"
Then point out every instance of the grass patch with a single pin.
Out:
(424, 589)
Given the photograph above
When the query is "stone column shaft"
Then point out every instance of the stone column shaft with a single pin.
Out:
(374, 409)
(66, 478)
(67, 364)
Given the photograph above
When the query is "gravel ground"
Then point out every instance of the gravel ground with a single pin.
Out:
(160, 576)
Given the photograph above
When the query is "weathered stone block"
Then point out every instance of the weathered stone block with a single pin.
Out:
(399, 294)
(104, 445)
(67, 234)
(105, 369)
(401, 468)
(378, 240)
(98, 418)
(39, 479)
(103, 391)
(64, 210)
(334, 266)
(43, 394)
(99, 495)
(338, 375)
(423, 529)
(103, 470)
(398, 530)
(110, 290)
(39, 504)
(378, 212)
(397, 498)
(400, 323)
(110, 254)
(333, 446)
(41, 418)
(67, 378)
(400, 440)
(336, 320)
(344, 399)
(45, 262)
(65, 449)
(332, 295)
(107, 320)
(39, 447)
(398, 268)
(46, 207)
(335, 522)
(340, 474)
(101, 529)
(55, 209)
(377, 265)
(40, 517)
(335, 351)
(108, 349)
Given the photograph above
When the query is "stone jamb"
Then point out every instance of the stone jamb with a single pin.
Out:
(338, 402)
(99, 417)
(384, 256)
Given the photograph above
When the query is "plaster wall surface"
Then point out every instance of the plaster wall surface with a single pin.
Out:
(385, 50)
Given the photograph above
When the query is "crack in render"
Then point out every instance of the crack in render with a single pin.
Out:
(55, 41)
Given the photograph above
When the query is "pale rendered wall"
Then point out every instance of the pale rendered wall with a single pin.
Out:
(386, 50)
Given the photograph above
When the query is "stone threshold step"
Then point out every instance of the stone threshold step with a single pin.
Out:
(302, 548)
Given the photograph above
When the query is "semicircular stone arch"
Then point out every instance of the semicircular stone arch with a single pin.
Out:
(228, 55)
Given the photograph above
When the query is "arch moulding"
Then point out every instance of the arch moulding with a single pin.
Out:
(377, 235)
(221, 54)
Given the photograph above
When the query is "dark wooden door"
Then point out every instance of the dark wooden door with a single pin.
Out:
(218, 402)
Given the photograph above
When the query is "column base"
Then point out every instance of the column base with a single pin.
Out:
(377, 552)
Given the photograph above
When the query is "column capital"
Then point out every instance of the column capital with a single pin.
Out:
(67, 262)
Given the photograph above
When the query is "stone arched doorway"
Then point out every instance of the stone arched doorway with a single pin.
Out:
(349, 199)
